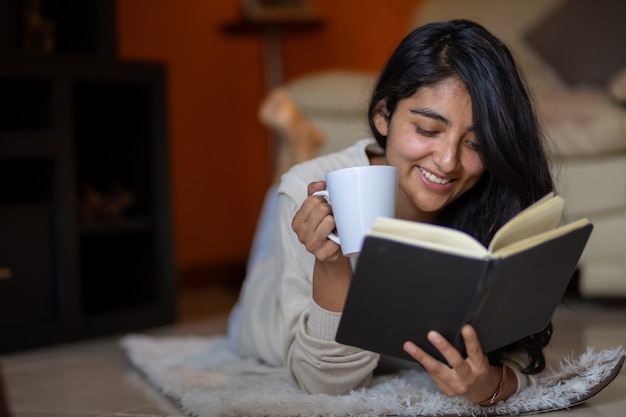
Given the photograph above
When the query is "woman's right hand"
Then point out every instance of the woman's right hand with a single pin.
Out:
(313, 223)
(332, 271)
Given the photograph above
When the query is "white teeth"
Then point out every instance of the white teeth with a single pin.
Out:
(432, 177)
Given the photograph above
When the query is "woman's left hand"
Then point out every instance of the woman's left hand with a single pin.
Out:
(471, 377)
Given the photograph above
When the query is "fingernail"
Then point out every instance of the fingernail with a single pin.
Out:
(434, 337)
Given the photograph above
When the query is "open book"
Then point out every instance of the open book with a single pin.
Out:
(413, 277)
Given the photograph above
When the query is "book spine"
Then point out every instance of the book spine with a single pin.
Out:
(478, 299)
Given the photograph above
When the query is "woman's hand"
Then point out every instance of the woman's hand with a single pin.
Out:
(471, 377)
(332, 271)
(313, 222)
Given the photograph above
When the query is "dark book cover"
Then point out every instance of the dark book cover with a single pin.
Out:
(399, 292)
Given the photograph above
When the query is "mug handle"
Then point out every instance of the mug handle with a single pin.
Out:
(331, 236)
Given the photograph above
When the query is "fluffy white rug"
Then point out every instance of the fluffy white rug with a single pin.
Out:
(207, 379)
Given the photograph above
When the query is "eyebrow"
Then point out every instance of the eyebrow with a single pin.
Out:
(431, 114)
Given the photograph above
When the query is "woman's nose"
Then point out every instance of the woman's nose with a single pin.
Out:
(446, 155)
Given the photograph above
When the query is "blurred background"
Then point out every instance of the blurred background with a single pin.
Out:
(133, 165)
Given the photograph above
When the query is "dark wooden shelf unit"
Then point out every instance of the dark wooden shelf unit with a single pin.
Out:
(77, 130)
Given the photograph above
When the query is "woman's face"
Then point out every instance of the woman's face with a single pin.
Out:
(431, 141)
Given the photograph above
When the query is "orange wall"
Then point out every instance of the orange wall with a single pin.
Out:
(218, 150)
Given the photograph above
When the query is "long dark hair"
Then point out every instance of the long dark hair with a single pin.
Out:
(511, 142)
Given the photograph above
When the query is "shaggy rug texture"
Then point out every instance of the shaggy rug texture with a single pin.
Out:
(208, 379)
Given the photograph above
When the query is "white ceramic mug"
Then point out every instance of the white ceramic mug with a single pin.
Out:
(359, 195)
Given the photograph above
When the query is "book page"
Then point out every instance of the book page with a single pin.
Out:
(542, 216)
(532, 241)
(429, 236)
(545, 214)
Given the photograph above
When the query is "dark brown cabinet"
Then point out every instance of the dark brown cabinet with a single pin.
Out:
(85, 223)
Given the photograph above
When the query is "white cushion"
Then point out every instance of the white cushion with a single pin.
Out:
(332, 91)
(336, 102)
(592, 184)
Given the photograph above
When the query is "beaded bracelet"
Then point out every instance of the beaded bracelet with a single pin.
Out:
(494, 398)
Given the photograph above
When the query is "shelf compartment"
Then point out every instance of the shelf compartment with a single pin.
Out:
(25, 104)
(26, 251)
(45, 27)
(28, 287)
(26, 181)
(114, 142)
(117, 272)
(113, 226)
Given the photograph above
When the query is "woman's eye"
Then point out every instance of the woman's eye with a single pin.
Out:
(473, 145)
(424, 132)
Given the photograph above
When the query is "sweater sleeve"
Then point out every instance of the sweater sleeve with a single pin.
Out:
(516, 362)
(315, 361)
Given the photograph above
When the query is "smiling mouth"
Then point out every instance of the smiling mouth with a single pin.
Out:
(433, 178)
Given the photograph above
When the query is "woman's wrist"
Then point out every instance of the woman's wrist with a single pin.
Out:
(331, 281)
(507, 385)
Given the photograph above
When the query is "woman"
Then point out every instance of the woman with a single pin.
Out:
(452, 114)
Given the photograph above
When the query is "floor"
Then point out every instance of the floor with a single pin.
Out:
(93, 378)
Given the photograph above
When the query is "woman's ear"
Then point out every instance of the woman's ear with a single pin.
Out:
(381, 117)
